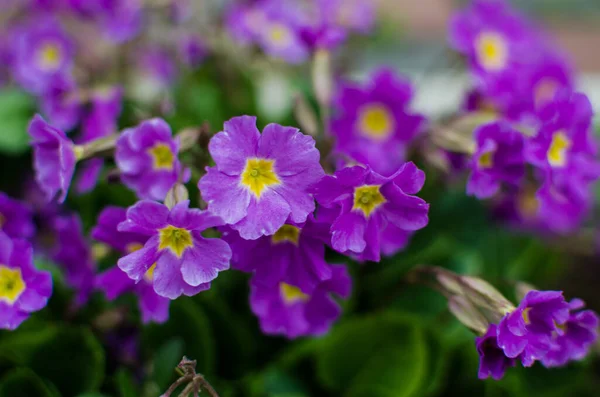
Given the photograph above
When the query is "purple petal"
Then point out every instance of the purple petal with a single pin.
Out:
(348, 233)
(231, 147)
(137, 263)
(265, 216)
(224, 195)
(205, 260)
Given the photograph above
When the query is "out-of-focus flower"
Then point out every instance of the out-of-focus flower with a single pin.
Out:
(185, 261)
(23, 289)
(374, 124)
(147, 158)
(114, 281)
(580, 332)
(54, 158)
(60, 103)
(528, 331)
(16, 218)
(499, 158)
(43, 51)
(121, 20)
(72, 252)
(260, 180)
(295, 254)
(363, 202)
(101, 121)
(492, 361)
(287, 310)
(192, 50)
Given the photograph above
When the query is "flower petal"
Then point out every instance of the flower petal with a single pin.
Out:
(202, 263)
(224, 195)
(231, 147)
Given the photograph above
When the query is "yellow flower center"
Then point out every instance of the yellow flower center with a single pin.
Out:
(174, 238)
(100, 251)
(367, 198)
(486, 160)
(526, 315)
(492, 51)
(279, 34)
(376, 122)
(286, 233)
(258, 175)
(11, 284)
(49, 56)
(149, 275)
(162, 157)
(557, 153)
(292, 294)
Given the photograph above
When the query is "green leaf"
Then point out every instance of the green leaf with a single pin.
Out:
(23, 382)
(16, 109)
(73, 360)
(382, 356)
(188, 322)
(165, 360)
(125, 383)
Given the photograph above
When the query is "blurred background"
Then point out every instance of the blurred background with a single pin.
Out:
(395, 338)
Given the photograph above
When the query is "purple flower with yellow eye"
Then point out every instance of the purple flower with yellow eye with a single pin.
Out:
(114, 281)
(295, 254)
(364, 202)
(147, 158)
(564, 141)
(280, 35)
(184, 261)
(54, 158)
(492, 361)
(244, 22)
(99, 122)
(16, 218)
(498, 159)
(43, 51)
(374, 123)
(260, 180)
(493, 36)
(580, 332)
(289, 311)
(121, 20)
(528, 331)
(23, 288)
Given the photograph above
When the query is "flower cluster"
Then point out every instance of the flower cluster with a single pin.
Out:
(291, 31)
(544, 327)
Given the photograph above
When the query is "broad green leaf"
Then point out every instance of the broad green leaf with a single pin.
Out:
(16, 109)
(125, 383)
(23, 382)
(72, 359)
(381, 356)
(165, 360)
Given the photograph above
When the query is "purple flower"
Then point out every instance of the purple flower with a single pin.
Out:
(16, 218)
(366, 201)
(492, 361)
(244, 23)
(192, 50)
(101, 121)
(54, 158)
(60, 103)
(23, 289)
(72, 252)
(374, 124)
(580, 332)
(493, 36)
(527, 332)
(280, 36)
(147, 158)
(287, 310)
(295, 254)
(157, 64)
(498, 159)
(121, 20)
(260, 180)
(114, 281)
(43, 51)
(186, 262)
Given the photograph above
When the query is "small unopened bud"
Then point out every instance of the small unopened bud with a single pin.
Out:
(305, 115)
(467, 314)
(483, 294)
(322, 77)
(176, 194)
